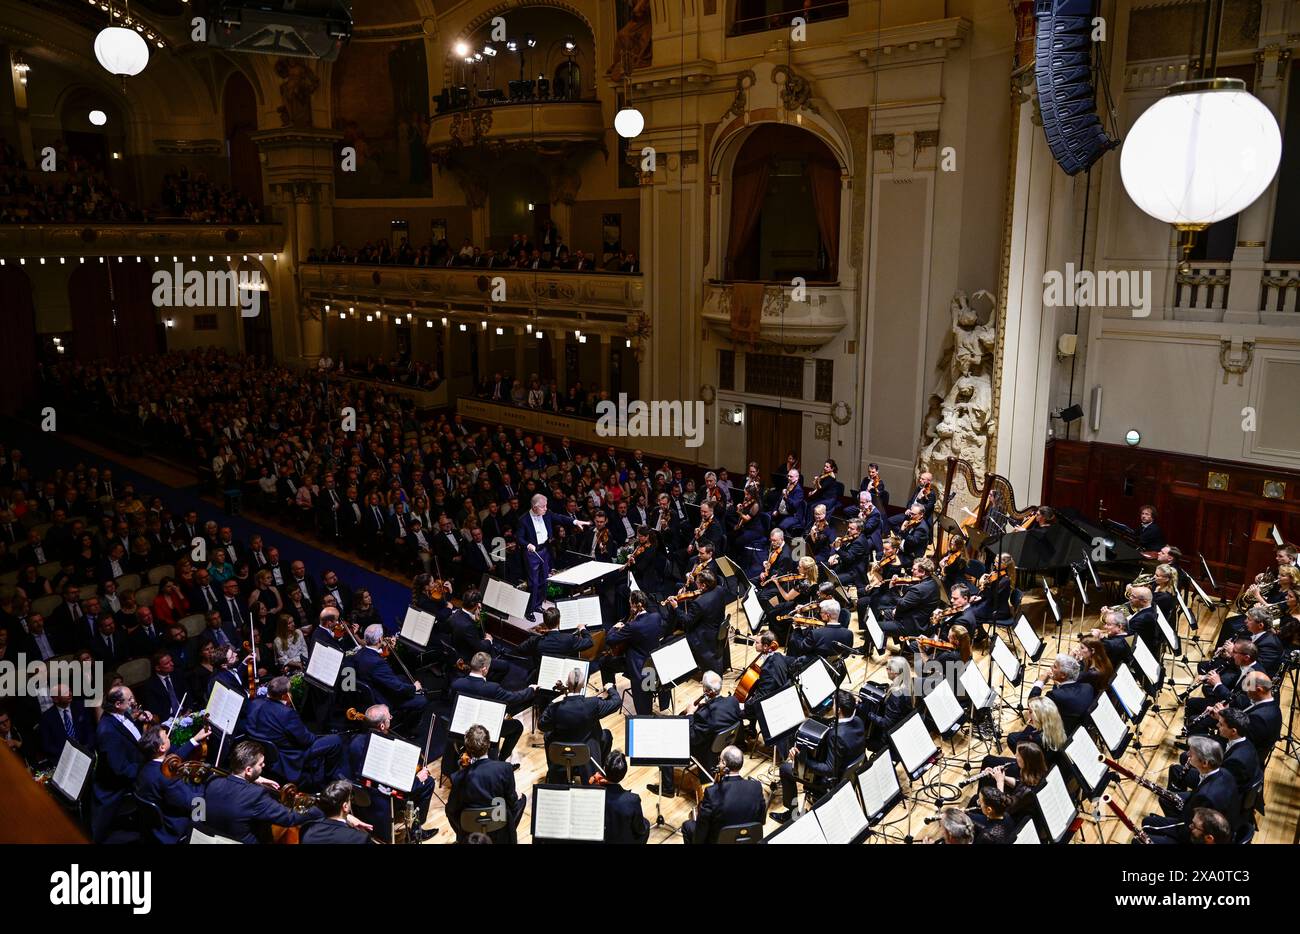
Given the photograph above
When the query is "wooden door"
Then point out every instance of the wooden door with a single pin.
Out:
(772, 434)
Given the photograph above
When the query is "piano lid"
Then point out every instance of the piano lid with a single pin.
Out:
(1065, 543)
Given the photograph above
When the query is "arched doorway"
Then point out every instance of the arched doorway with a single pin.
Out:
(239, 107)
(785, 208)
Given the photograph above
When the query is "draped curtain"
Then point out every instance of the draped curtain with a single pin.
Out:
(825, 180)
(18, 349)
(94, 291)
(748, 189)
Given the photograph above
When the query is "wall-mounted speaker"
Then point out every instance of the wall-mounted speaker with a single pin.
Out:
(1063, 73)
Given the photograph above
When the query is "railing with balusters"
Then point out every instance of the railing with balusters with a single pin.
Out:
(1279, 291)
(1203, 288)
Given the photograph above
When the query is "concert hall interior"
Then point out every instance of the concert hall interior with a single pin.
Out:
(650, 421)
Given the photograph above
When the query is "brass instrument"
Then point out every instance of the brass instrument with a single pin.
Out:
(1265, 581)
(1142, 580)
(1172, 798)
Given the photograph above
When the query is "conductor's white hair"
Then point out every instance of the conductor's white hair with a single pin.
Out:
(537, 500)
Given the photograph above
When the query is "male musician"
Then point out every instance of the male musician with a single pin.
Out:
(647, 562)
(477, 684)
(469, 638)
(304, 758)
(711, 715)
(709, 530)
(1114, 636)
(830, 640)
(642, 633)
(338, 825)
(600, 542)
(789, 510)
(819, 535)
(910, 616)
(733, 801)
(1259, 629)
(236, 807)
(961, 612)
(915, 533)
(1208, 827)
(845, 744)
(1149, 536)
(1265, 726)
(1073, 698)
(702, 619)
(536, 531)
(777, 563)
(480, 785)
(118, 757)
(924, 495)
(1239, 755)
(1217, 790)
(1223, 685)
(624, 820)
(174, 797)
(575, 718)
(550, 641)
(775, 674)
(405, 697)
(1142, 620)
(851, 552)
(379, 722)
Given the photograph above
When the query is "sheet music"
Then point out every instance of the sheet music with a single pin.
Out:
(1146, 662)
(1054, 802)
(873, 628)
(199, 837)
(585, 573)
(1106, 718)
(1092, 571)
(817, 683)
(879, 784)
(1051, 601)
(673, 661)
(1171, 637)
(632, 585)
(1028, 833)
(70, 773)
(551, 807)
(1205, 598)
(1277, 537)
(840, 815)
(943, 706)
(1083, 591)
(753, 610)
(976, 688)
(417, 626)
(223, 707)
(782, 712)
(324, 663)
(583, 611)
(804, 830)
(1128, 691)
(1182, 605)
(477, 710)
(391, 762)
(570, 814)
(1006, 659)
(912, 742)
(1027, 638)
(505, 599)
(554, 668)
(1086, 757)
(658, 739)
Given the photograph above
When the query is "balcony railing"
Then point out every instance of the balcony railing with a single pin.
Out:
(506, 124)
(1203, 288)
(788, 318)
(103, 239)
(1280, 291)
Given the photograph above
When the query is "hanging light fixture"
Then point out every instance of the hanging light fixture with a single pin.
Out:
(121, 51)
(629, 123)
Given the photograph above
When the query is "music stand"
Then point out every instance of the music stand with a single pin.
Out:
(909, 738)
(661, 741)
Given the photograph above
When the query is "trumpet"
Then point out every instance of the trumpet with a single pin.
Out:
(1172, 798)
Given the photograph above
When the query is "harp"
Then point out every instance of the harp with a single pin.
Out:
(980, 511)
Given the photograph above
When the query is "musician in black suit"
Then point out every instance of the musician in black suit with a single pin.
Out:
(1217, 790)
(405, 698)
(733, 801)
(574, 718)
(641, 635)
(1222, 684)
(549, 640)
(1265, 726)
(702, 619)
(1142, 620)
(711, 715)
(775, 674)
(844, 745)
(911, 615)
(379, 722)
(1268, 647)
(67, 718)
(1113, 634)
(469, 638)
(874, 484)
(778, 561)
(830, 640)
(1149, 536)
(482, 784)
(923, 495)
(915, 533)
(305, 758)
(242, 805)
(851, 552)
(1239, 755)
(117, 757)
(338, 825)
(174, 797)
(624, 820)
(477, 684)
(1073, 698)
(709, 530)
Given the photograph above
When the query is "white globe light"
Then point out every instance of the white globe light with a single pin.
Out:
(1204, 152)
(629, 123)
(97, 117)
(121, 51)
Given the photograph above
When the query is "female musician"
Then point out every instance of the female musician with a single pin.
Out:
(959, 636)
(898, 703)
(1289, 628)
(994, 606)
(1046, 733)
(1030, 776)
(1094, 663)
(827, 489)
(289, 645)
(792, 594)
(1164, 589)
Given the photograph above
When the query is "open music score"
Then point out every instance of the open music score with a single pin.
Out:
(580, 611)
(1055, 806)
(417, 627)
(1131, 696)
(1171, 637)
(1028, 832)
(817, 682)
(553, 669)
(391, 762)
(1006, 660)
(70, 774)
(781, 712)
(911, 740)
(224, 706)
(582, 574)
(1108, 723)
(198, 837)
(873, 629)
(1028, 639)
(673, 661)
(944, 708)
(1146, 662)
(840, 815)
(505, 599)
(568, 813)
(878, 783)
(658, 740)
(323, 665)
(1083, 754)
(805, 830)
(976, 688)
(477, 710)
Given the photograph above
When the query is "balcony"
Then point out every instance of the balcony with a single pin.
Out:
(558, 125)
(797, 325)
(103, 239)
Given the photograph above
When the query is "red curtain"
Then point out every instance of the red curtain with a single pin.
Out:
(18, 349)
(97, 290)
(748, 189)
(825, 180)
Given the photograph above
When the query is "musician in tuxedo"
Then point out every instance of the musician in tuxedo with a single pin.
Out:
(305, 758)
(174, 797)
(475, 683)
(549, 640)
(642, 634)
(406, 698)
(776, 673)
(1216, 789)
(1113, 634)
(536, 532)
(924, 495)
(778, 562)
(666, 525)
(910, 616)
(624, 820)
(874, 484)
(1149, 536)
(1239, 755)
(789, 510)
(379, 722)
(1073, 698)
(709, 531)
(1142, 620)
(1222, 685)
(67, 718)
(701, 618)
(1265, 726)
(831, 640)
(480, 785)
(915, 533)
(819, 535)
(574, 718)
(338, 825)
(648, 562)
(1268, 647)
(239, 805)
(851, 553)
(711, 715)
(117, 757)
(730, 802)
(844, 745)
(469, 638)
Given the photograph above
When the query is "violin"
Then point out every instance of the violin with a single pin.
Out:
(685, 594)
(637, 552)
(251, 668)
(931, 643)
(355, 715)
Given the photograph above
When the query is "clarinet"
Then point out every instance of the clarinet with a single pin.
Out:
(1172, 798)
(1138, 833)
